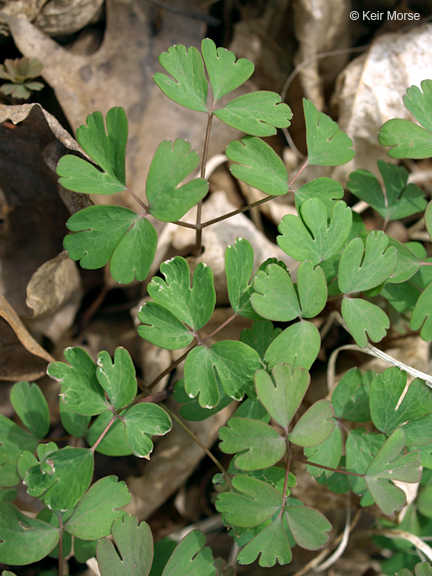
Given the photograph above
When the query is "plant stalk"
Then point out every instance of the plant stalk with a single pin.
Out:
(203, 170)
(101, 437)
(327, 467)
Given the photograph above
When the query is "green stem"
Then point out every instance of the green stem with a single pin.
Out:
(287, 470)
(60, 554)
(327, 467)
(238, 211)
(101, 437)
(198, 441)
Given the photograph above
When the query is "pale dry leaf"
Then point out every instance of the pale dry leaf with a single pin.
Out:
(320, 26)
(54, 294)
(369, 92)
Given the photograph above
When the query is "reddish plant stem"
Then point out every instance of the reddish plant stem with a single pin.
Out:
(299, 172)
(327, 467)
(101, 437)
(221, 327)
(140, 202)
(203, 168)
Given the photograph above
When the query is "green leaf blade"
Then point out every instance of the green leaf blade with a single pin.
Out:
(162, 328)
(275, 297)
(193, 306)
(29, 403)
(315, 426)
(224, 72)
(282, 395)
(260, 445)
(297, 345)
(258, 113)
(24, 540)
(271, 545)
(421, 318)
(311, 237)
(308, 526)
(364, 319)
(98, 509)
(117, 378)
(187, 69)
(62, 477)
(171, 164)
(80, 389)
(405, 139)
(115, 233)
(258, 165)
(326, 144)
(135, 549)
(142, 421)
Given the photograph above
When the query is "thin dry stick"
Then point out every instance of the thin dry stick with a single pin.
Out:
(198, 441)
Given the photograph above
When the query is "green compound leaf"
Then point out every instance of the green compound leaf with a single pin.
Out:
(117, 378)
(260, 336)
(29, 403)
(328, 453)
(170, 165)
(24, 540)
(258, 113)
(191, 557)
(84, 549)
(187, 69)
(403, 297)
(312, 289)
(387, 465)
(61, 478)
(191, 409)
(193, 306)
(80, 388)
(13, 441)
(326, 189)
(74, 424)
(364, 319)
(253, 503)
(107, 149)
(224, 72)
(297, 345)
(132, 550)
(239, 261)
(399, 200)
(113, 233)
(408, 140)
(315, 426)
(258, 165)
(142, 421)
(260, 445)
(24, 462)
(234, 363)
(282, 394)
(350, 398)
(98, 509)
(162, 328)
(326, 144)
(114, 442)
(413, 414)
(252, 409)
(311, 237)
(421, 318)
(364, 266)
(271, 545)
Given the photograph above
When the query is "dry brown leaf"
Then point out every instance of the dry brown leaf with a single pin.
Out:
(18, 348)
(54, 294)
(369, 92)
(320, 26)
